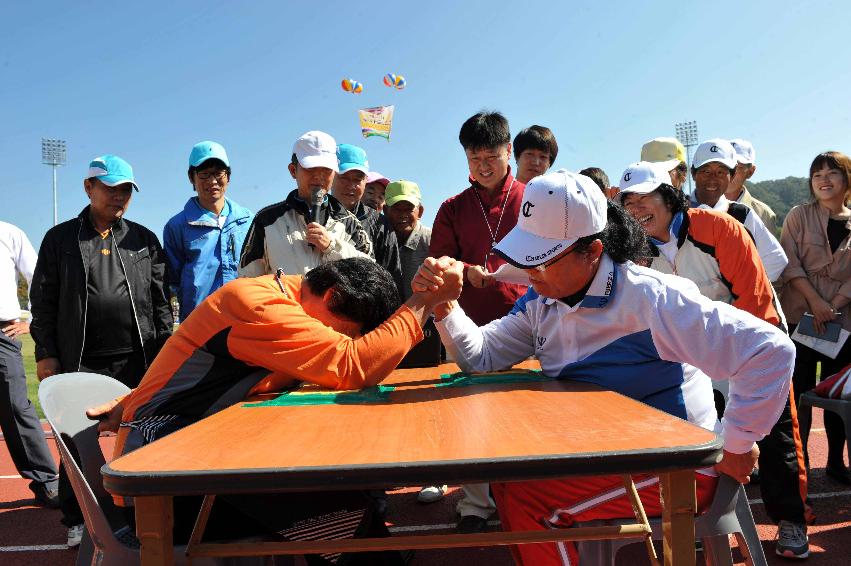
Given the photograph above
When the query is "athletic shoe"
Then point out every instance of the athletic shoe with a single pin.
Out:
(432, 493)
(792, 541)
(75, 535)
(471, 524)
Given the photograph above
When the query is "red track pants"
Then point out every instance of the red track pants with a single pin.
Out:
(553, 504)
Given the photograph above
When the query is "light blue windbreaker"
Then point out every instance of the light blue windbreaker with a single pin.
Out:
(201, 256)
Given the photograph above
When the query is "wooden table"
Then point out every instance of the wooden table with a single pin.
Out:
(423, 435)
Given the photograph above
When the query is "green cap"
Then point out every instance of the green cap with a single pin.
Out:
(398, 191)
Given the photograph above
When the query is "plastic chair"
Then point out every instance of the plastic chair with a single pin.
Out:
(728, 514)
(841, 407)
(108, 541)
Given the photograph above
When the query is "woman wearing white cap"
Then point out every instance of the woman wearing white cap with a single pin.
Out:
(715, 252)
(604, 320)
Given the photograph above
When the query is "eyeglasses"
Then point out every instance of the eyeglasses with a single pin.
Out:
(219, 176)
(543, 267)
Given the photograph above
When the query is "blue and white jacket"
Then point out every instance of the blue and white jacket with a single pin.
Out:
(203, 256)
(643, 334)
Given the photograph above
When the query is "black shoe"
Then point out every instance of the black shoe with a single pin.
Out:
(45, 497)
(471, 524)
(839, 473)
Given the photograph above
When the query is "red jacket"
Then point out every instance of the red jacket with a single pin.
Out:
(460, 232)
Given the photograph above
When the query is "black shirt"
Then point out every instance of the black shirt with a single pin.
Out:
(836, 232)
(110, 325)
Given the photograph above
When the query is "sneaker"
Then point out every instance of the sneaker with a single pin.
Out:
(75, 535)
(45, 496)
(432, 493)
(792, 541)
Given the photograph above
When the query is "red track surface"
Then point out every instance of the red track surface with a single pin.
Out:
(23, 525)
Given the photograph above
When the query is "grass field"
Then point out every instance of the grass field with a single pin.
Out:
(29, 365)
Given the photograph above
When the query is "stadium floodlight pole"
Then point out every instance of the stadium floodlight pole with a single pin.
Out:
(687, 134)
(53, 153)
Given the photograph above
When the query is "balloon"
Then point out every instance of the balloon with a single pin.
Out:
(400, 82)
(351, 85)
(390, 80)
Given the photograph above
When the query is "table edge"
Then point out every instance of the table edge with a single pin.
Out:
(320, 478)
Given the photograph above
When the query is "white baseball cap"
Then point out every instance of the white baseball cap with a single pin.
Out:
(643, 177)
(558, 208)
(745, 153)
(716, 149)
(316, 149)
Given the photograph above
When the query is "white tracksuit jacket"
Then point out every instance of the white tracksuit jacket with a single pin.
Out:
(643, 334)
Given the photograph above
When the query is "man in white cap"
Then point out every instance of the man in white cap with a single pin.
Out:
(310, 227)
(713, 167)
(594, 316)
(672, 154)
(738, 192)
(203, 242)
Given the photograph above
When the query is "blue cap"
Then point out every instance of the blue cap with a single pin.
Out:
(111, 170)
(351, 157)
(202, 151)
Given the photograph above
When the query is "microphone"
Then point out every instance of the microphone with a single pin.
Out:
(316, 200)
(317, 197)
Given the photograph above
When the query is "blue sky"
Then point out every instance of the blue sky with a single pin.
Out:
(149, 79)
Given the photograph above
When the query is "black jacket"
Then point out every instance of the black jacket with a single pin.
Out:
(59, 293)
(385, 246)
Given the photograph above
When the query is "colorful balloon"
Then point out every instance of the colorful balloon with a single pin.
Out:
(400, 82)
(351, 85)
(390, 80)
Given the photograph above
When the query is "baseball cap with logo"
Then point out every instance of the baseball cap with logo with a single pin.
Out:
(111, 170)
(716, 149)
(376, 177)
(745, 153)
(351, 157)
(202, 151)
(664, 150)
(643, 177)
(558, 208)
(402, 190)
(316, 149)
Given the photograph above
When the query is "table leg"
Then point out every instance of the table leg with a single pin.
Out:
(679, 507)
(154, 523)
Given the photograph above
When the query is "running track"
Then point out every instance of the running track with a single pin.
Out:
(33, 536)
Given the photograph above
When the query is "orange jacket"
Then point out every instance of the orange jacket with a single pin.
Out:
(251, 335)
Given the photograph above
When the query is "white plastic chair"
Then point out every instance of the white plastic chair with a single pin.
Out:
(109, 541)
(728, 514)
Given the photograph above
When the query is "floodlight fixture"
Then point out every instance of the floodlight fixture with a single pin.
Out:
(54, 153)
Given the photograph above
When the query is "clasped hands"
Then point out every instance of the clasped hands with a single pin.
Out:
(439, 281)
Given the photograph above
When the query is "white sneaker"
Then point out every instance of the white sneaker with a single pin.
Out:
(75, 535)
(432, 493)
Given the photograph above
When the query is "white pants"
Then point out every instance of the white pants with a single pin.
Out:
(476, 501)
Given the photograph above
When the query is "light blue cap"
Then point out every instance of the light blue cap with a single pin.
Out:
(111, 170)
(351, 157)
(202, 151)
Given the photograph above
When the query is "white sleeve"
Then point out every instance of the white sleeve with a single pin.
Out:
(769, 249)
(341, 248)
(25, 262)
(727, 343)
(497, 345)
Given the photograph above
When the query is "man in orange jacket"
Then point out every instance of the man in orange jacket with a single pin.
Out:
(335, 327)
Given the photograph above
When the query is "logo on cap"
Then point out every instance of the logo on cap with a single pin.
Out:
(627, 177)
(714, 149)
(527, 209)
